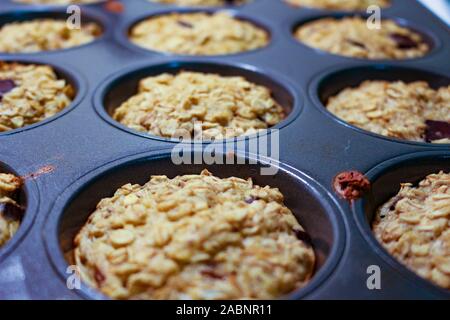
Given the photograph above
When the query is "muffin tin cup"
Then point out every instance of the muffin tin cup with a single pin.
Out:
(88, 148)
(74, 78)
(122, 34)
(227, 6)
(99, 3)
(341, 11)
(31, 12)
(120, 87)
(428, 37)
(331, 82)
(309, 202)
(386, 179)
(27, 197)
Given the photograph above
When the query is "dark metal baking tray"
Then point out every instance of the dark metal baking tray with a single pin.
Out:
(86, 155)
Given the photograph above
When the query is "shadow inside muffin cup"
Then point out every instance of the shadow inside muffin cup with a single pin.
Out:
(386, 179)
(119, 89)
(427, 36)
(309, 203)
(87, 16)
(332, 83)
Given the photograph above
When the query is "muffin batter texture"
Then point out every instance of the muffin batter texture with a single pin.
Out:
(198, 33)
(10, 211)
(44, 35)
(351, 37)
(414, 226)
(30, 93)
(194, 237)
(395, 109)
(194, 105)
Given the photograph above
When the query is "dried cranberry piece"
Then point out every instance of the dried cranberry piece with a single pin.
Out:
(303, 236)
(6, 85)
(99, 276)
(356, 43)
(351, 185)
(185, 24)
(249, 200)
(212, 274)
(403, 41)
(437, 130)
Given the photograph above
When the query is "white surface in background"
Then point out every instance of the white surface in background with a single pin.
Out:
(440, 8)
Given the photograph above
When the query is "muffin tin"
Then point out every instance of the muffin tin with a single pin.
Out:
(81, 154)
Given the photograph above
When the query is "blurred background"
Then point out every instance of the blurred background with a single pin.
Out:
(440, 7)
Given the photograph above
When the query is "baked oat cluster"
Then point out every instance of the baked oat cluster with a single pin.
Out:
(58, 2)
(194, 237)
(210, 3)
(198, 33)
(193, 105)
(351, 37)
(339, 4)
(10, 210)
(414, 226)
(409, 111)
(44, 35)
(30, 93)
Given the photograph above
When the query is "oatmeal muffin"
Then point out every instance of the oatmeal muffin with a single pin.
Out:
(210, 3)
(414, 226)
(198, 34)
(30, 93)
(351, 37)
(58, 2)
(193, 105)
(194, 237)
(10, 211)
(409, 111)
(44, 35)
(339, 4)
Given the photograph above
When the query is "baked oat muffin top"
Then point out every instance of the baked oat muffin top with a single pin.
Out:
(339, 4)
(30, 93)
(414, 226)
(194, 237)
(193, 105)
(351, 37)
(58, 2)
(198, 33)
(408, 111)
(10, 210)
(210, 3)
(44, 35)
